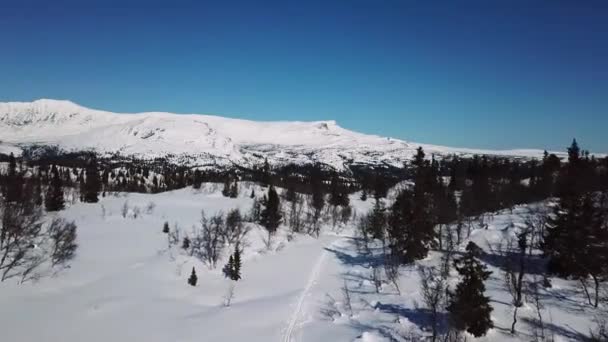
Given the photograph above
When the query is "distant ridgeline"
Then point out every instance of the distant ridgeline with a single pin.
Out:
(493, 182)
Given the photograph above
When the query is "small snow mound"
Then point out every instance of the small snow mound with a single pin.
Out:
(371, 337)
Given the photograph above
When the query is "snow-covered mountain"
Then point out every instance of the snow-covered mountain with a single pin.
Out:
(205, 139)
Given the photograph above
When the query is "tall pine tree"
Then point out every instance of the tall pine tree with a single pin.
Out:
(92, 182)
(271, 214)
(54, 196)
(469, 309)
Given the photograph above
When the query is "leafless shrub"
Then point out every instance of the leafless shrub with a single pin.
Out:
(19, 235)
(346, 298)
(600, 332)
(125, 209)
(376, 278)
(433, 282)
(229, 296)
(207, 242)
(150, 207)
(63, 241)
(136, 212)
(235, 231)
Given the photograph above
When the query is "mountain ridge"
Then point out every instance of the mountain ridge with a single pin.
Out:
(208, 139)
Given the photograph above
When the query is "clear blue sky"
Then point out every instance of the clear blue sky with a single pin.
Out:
(488, 74)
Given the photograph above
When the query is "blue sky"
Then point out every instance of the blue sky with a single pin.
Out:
(488, 74)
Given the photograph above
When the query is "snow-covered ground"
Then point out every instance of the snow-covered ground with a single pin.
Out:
(207, 139)
(125, 284)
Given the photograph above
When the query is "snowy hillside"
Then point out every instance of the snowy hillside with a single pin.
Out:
(127, 284)
(207, 139)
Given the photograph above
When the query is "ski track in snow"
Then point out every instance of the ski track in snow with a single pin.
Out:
(311, 282)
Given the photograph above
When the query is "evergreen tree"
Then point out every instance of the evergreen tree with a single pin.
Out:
(197, 179)
(186, 243)
(271, 215)
(469, 309)
(290, 194)
(252, 194)
(37, 191)
(410, 231)
(229, 267)
(193, 278)
(377, 220)
(236, 274)
(265, 177)
(234, 189)
(577, 240)
(363, 195)
(166, 228)
(226, 189)
(54, 197)
(336, 195)
(14, 182)
(232, 269)
(92, 183)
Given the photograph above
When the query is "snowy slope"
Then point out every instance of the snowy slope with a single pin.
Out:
(205, 138)
(125, 284)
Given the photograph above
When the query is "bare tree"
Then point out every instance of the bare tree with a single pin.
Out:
(125, 209)
(229, 296)
(210, 239)
(391, 270)
(533, 295)
(433, 282)
(63, 241)
(346, 297)
(376, 278)
(19, 234)
(296, 211)
(235, 231)
(515, 270)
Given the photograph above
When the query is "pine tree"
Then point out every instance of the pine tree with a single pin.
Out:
(54, 197)
(265, 177)
(252, 194)
(229, 267)
(469, 309)
(166, 228)
(234, 189)
(193, 278)
(410, 232)
(197, 179)
(186, 243)
(336, 196)
(377, 220)
(14, 182)
(236, 274)
(226, 190)
(92, 183)
(271, 215)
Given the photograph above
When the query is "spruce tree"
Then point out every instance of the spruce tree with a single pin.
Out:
(234, 189)
(469, 309)
(166, 228)
(186, 243)
(92, 183)
(197, 179)
(14, 182)
(54, 197)
(271, 215)
(227, 187)
(229, 267)
(193, 278)
(377, 220)
(337, 197)
(236, 273)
